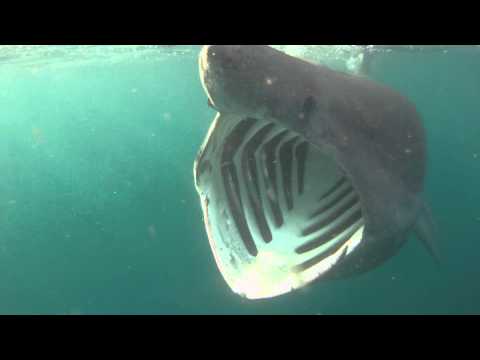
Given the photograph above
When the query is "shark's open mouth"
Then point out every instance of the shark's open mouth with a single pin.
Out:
(279, 213)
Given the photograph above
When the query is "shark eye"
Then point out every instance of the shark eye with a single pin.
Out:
(309, 106)
(306, 110)
(229, 63)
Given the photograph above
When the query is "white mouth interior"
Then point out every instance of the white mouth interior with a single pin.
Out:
(279, 213)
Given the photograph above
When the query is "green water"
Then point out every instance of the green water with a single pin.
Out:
(99, 214)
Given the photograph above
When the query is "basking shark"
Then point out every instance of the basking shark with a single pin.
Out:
(306, 173)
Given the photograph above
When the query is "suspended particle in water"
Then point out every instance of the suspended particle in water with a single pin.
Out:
(34, 70)
(152, 232)
(269, 81)
(75, 311)
(37, 136)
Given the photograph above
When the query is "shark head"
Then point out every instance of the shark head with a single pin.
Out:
(306, 173)
(251, 80)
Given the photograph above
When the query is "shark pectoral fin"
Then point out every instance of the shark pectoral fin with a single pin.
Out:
(425, 231)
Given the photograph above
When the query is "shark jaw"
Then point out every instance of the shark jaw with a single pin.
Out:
(279, 213)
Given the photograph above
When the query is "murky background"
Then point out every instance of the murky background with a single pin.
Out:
(99, 214)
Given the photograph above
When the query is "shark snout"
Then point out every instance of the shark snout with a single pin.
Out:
(223, 57)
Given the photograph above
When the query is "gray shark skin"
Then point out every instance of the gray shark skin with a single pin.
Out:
(306, 173)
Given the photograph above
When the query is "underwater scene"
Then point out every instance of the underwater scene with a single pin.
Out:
(244, 180)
